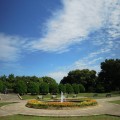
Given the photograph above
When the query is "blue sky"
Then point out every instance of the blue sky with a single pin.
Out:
(52, 37)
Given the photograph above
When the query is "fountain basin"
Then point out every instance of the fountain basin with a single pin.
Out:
(59, 105)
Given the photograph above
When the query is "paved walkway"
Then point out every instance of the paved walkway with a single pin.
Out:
(104, 107)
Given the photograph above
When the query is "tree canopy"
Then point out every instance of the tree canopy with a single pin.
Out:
(85, 77)
(109, 75)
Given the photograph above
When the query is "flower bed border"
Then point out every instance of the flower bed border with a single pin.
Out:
(58, 105)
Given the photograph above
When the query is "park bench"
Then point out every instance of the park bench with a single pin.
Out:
(95, 95)
(53, 96)
(66, 96)
(40, 97)
(74, 96)
(108, 95)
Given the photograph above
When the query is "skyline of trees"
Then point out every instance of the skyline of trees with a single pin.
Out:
(77, 81)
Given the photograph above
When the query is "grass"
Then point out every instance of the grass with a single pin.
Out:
(116, 102)
(48, 96)
(27, 117)
(25, 97)
(6, 103)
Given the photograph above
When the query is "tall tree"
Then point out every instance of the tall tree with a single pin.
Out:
(44, 88)
(1, 86)
(85, 77)
(48, 80)
(33, 88)
(81, 88)
(11, 78)
(69, 88)
(53, 88)
(76, 88)
(109, 75)
(21, 87)
(62, 88)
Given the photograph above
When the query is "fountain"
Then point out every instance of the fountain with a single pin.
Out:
(61, 103)
(62, 97)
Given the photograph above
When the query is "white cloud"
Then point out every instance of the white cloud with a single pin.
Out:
(58, 75)
(87, 63)
(10, 47)
(71, 25)
(114, 20)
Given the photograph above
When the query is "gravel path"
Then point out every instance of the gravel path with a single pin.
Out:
(104, 107)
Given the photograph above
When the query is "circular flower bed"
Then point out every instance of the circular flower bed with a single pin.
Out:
(58, 105)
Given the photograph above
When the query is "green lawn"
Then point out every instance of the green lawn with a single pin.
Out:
(116, 102)
(48, 96)
(6, 103)
(22, 117)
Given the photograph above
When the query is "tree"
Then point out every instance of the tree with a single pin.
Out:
(69, 88)
(109, 75)
(40, 80)
(62, 88)
(34, 79)
(76, 88)
(100, 88)
(44, 88)
(53, 88)
(1, 86)
(11, 78)
(3, 78)
(21, 87)
(85, 77)
(81, 88)
(48, 80)
(33, 88)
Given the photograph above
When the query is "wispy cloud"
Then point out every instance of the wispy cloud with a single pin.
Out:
(10, 47)
(68, 26)
(71, 25)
